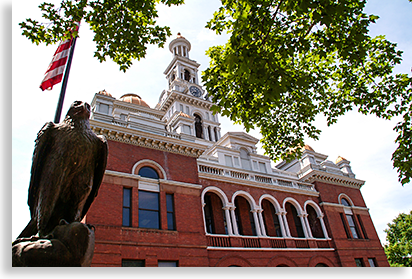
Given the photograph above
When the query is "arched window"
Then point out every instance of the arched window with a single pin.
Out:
(245, 159)
(198, 126)
(187, 75)
(209, 132)
(215, 217)
(244, 217)
(314, 223)
(148, 172)
(295, 224)
(321, 265)
(271, 220)
(351, 227)
(345, 202)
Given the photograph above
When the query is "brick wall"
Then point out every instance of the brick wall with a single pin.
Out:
(188, 244)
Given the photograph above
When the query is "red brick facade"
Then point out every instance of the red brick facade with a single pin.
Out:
(190, 245)
(214, 200)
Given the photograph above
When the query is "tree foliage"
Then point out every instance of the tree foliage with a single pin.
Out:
(288, 61)
(122, 28)
(399, 237)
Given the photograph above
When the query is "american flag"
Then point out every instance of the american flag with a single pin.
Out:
(56, 68)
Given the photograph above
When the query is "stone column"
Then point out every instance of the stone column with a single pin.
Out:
(285, 220)
(257, 225)
(233, 219)
(282, 225)
(325, 231)
(304, 226)
(261, 221)
(204, 219)
(228, 220)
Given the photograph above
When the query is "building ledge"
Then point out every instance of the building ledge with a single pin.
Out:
(238, 242)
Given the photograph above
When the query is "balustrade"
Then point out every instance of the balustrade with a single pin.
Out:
(264, 242)
(257, 178)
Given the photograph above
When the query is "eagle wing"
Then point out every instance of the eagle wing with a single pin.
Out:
(43, 143)
(100, 167)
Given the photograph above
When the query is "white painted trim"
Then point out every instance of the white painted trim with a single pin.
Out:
(315, 206)
(248, 197)
(149, 186)
(342, 206)
(295, 203)
(138, 177)
(181, 184)
(255, 184)
(217, 191)
(272, 199)
(150, 162)
(343, 195)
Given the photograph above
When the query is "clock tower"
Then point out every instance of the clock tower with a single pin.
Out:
(185, 102)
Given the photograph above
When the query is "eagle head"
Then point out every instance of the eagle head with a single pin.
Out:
(79, 110)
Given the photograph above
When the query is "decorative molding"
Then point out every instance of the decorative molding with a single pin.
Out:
(218, 172)
(321, 176)
(162, 181)
(342, 206)
(148, 140)
(173, 95)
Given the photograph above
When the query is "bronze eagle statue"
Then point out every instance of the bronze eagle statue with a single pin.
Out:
(69, 161)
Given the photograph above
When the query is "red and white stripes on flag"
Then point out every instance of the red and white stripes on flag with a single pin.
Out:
(56, 68)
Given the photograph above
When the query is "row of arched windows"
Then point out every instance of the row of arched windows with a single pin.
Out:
(242, 216)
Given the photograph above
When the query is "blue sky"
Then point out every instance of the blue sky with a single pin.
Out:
(366, 141)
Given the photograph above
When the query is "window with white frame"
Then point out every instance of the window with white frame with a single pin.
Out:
(245, 159)
(228, 161)
(262, 167)
(236, 161)
(104, 108)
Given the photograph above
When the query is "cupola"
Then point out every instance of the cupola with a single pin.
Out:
(180, 46)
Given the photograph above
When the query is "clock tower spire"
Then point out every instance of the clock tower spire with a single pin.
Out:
(182, 72)
(186, 105)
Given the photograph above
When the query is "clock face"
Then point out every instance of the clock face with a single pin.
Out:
(195, 91)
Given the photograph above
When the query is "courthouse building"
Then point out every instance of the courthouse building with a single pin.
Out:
(179, 192)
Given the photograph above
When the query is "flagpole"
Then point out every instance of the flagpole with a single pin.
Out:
(64, 84)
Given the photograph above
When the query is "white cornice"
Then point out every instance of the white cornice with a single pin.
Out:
(182, 59)
(322, 176)
(177, 96)
(148, 140)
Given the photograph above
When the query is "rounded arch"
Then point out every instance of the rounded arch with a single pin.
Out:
(149, 163)
(199, 113)
(233, 260)
(217, 191)
(272, 200)
(314, 206)
(246, 148)
(294, 203)
(247, 196)
(315, 260)
(342, 195)
(281, 261)
(198, 125)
